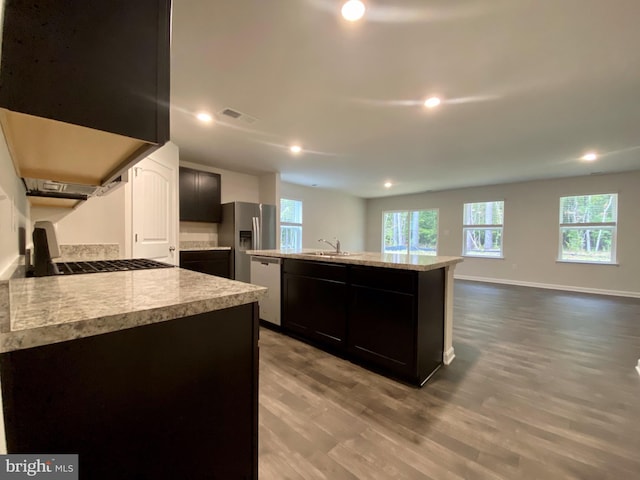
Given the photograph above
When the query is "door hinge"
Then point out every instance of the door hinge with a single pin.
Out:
(136, 238)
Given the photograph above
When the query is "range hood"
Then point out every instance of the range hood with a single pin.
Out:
(63, 164)
(56, 192)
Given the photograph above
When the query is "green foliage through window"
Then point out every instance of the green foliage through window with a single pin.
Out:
(414, 232)
(588, 225)
(482, 229)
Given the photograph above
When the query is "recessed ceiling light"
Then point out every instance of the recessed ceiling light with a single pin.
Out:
(388, 184)
(590, 157)
(432, 102)
(204, 117)
(353, 10)
(295, 149)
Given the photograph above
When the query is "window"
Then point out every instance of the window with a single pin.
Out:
(482, 229)
(414, 232)
(290, 224)
(588, 225)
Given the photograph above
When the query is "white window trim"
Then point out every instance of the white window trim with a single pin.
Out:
(481, 226)
(292, 224)
(614, 236)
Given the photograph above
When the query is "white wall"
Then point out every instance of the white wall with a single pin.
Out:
(270, 188)
(14, 210)
(328, 214)
(99, 220)
(531, 231)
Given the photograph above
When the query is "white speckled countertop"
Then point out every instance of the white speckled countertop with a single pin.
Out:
(194, 245)
(55, 309)
(372, 259)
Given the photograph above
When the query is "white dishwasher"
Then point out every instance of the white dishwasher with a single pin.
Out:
(265, 271)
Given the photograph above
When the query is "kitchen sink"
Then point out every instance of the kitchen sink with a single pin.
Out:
(322, 253)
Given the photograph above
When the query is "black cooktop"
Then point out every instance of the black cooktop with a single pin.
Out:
(73, 268)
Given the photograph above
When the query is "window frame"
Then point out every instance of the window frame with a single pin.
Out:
(292, 224)
(479, 226)
(604, 225)
(409, 212)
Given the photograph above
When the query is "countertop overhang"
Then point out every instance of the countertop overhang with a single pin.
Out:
(399, 261)
(56, 309)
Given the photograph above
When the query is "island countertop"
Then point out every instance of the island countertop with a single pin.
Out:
(399, 261)
(55, 309)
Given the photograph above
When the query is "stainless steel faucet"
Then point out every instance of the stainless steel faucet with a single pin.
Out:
(336, 246)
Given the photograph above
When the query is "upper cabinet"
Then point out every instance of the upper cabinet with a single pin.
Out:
(84, 86)
(199, 196)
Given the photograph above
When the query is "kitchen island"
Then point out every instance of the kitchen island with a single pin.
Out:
(144, 374)
(392, 313)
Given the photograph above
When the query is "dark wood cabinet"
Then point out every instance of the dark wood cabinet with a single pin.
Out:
(381, 328)
(212, 262)
(103, 64)
(176, 399)
(200, 194)
(389, 320)
(314, 301)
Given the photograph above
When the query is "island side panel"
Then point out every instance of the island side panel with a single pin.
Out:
(430, 329)
(449, 353)
(176, 399)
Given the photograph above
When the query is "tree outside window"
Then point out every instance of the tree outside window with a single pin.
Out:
(588, 228)
(414, 232)
(482, 229)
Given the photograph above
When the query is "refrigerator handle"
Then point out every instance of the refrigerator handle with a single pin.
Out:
(259, 240)
(254, 233)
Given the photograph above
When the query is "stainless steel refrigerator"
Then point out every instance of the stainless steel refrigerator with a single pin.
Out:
(246, 226)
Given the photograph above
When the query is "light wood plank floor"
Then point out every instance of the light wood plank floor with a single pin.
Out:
(543, 387)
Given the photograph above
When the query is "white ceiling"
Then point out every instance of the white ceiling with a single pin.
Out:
(529, 86)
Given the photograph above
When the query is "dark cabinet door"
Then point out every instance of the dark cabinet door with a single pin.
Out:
(211, 262)
(382, 328)
(209, 196)
(389, 320)
(200, 194)
(100, 64)
(315, 308)
(183, 391)
(188, 193)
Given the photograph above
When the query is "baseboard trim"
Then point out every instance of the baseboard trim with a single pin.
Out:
(549, 286)
(638, 367)
(448, 356)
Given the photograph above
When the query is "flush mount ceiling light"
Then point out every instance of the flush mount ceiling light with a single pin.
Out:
(204, 117)
(589, 157)
(432, 102)
(353, 10)
(295, 149)
(388, 184)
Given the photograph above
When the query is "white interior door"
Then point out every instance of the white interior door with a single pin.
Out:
(154, 206)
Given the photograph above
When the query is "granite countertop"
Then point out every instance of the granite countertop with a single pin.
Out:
(199, 245)
(399, 261)
(55, 309)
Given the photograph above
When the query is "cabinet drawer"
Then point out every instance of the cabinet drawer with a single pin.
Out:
(193, 255)
(212, 262)
(325, 271)
(384, 279)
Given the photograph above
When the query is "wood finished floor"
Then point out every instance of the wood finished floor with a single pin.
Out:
(543, 387)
